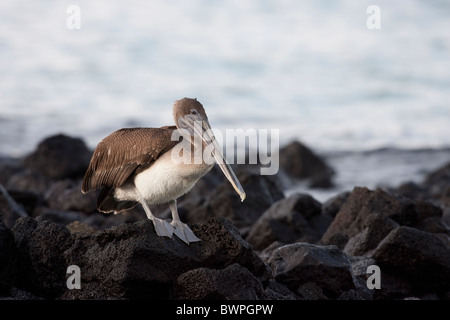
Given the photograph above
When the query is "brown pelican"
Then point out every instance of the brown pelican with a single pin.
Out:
(142, 165)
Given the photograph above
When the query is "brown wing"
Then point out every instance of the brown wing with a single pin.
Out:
(122, 152)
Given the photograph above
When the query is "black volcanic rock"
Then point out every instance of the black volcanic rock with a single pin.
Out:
(411, 190)
(288, 220)
(29, 180)
(10, 210)
(66, 195)
(300, 162)
(128, 261)
(7, 258)
(223, 201)
(332, 206)
(232, 283)
(434, 187)
(40, 266)
(323, 271)
(8, 168)
(353, 216)
(420, 258)
(376, 228)
(131, 261)
(438, 181)
(60, 157)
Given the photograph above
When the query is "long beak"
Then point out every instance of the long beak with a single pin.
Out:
(208, 137)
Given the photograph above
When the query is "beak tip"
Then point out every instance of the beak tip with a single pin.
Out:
(243, 195)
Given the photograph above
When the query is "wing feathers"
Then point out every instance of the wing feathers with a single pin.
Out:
(118, 155)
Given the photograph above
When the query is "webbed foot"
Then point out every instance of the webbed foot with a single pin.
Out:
(163, 228)
(183, 232)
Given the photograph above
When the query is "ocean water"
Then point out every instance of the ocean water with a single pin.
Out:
(384, 168)
(312, 69)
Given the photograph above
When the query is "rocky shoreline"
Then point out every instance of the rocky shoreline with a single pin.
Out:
(270, 247)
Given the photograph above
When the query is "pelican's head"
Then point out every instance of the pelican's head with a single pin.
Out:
(190, 117)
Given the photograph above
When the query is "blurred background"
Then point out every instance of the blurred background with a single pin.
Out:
(312, 69)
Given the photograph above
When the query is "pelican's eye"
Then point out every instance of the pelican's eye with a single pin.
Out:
(194, 112)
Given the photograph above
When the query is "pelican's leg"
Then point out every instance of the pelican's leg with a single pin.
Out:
(162, 227)
(181, 229)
